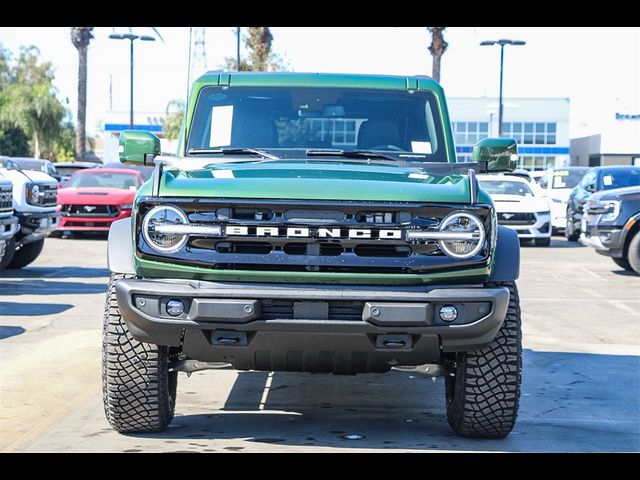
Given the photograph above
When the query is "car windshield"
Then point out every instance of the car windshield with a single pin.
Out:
(26, 164)
(618, 178)
(506, 187)
(102, 179)
(67, 170)
(567, 178)
(292, 119)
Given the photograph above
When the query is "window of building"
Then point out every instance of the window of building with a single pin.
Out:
(536, 162)
(531, 133)
(470, 133)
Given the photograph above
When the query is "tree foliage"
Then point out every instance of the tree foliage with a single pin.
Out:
(173, 119)
(261, 59)
(28, 104)
(437, 48)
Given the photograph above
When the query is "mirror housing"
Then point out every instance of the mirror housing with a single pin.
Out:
(591, 188)
(138, 147)
(499, 154)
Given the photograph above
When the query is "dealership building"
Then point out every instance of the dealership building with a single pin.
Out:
(616, 143)
(540, 126)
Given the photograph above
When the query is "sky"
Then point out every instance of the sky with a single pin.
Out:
(597, 68)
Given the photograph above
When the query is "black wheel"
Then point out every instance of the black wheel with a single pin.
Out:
(542, 242)
(570, 230)
(9, 251)
(483, 396)
(138, 391)
(26, 254)
(623, 263)
(633, 253)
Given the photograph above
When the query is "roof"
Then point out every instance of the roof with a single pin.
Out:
(317, 79)
(77, 164)
(129, 171)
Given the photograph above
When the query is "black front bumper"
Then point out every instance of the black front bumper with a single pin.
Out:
(311, 327)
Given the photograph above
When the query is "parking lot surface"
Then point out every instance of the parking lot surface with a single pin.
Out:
(581, 377)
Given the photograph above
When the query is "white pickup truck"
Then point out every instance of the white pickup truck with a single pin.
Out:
(8, 221)
(34, 201)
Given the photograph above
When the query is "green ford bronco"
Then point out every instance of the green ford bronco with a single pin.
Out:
(314, 223)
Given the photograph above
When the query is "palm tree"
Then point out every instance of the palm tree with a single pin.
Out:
(80, 37)
(437, 48)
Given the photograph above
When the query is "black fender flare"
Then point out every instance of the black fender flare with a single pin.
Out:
(506, 267)
(120, 247)
(634, 222)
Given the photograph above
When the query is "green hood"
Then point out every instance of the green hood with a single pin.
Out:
(315, 180)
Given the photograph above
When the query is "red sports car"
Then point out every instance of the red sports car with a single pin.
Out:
(94, 198)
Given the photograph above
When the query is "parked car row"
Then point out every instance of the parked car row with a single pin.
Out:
(34, 205)
(33, 195)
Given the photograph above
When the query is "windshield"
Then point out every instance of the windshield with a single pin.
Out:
(567, 178)
(610, 179)
(36, 165)
(292, 119)
(506, 187)
(67, 170)
(102, 179)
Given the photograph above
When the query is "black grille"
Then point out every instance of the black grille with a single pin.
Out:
(513, 218)
(316, 250)
(6, 199)
(47, 197)
(338, 310)
(96, 211)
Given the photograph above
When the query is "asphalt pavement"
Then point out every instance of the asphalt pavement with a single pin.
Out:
(581, 377)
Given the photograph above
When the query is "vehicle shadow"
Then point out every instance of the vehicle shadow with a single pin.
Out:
(571, 402)
(85, 236)
(44, 287)
(56, 272)
(32, 309)
(624, 273)
(7, 331)
(555, 243)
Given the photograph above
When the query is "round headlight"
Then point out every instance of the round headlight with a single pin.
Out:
(464, 223)
(159, 216)
(35, 194)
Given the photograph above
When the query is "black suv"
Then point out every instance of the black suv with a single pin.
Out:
(611, 224)
(595, 180)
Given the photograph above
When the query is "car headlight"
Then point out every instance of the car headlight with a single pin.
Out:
(610, 210)
(164, 216)
(556, 200)
(126, 206)
(466, 232)
(32, 192)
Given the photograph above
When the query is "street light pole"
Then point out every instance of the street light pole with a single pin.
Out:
(502, 43)
(131, 37)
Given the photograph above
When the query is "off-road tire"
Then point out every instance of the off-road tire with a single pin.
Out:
(633, 253)
(483, 396)
(138, 391)
(26, 254)
(9, 251)
(542, 242)
(623, 263)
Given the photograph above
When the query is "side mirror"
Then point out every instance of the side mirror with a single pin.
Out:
(138, 147)
(591, 188)
(499, 154)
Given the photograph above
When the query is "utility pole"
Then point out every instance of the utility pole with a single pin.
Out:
(199, 60)
(502, 43)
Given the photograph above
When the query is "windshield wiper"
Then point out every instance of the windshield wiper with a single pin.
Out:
(363, 154)
(232, 151)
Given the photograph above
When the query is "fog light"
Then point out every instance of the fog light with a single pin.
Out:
(175, 308)
(448, 313)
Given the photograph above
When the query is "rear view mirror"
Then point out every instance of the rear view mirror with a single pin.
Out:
(138, 147)
(499, 154)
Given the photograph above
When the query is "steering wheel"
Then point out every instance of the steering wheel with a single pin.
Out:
(394, 148)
